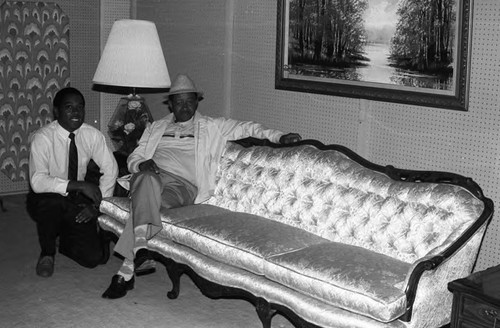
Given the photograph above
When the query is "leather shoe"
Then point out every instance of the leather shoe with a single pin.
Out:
(45, 266)
(143, 262)
(119, 287)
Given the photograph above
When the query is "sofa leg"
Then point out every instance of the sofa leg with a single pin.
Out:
(264, 312)
(264, 309)
(174, 273)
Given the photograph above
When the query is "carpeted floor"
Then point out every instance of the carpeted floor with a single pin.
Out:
(72, 296)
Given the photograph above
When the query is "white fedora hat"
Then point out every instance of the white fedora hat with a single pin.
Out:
(183, 84)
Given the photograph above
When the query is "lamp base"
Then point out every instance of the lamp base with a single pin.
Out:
(128, 122)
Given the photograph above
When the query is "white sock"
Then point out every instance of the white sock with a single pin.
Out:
(140, 237)
(127, 269)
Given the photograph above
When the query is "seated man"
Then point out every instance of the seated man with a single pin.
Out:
(60, 201)
(174, 165)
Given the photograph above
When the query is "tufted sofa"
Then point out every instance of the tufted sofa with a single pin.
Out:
(323, 236)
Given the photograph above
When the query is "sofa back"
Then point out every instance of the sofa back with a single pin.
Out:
(332, 195)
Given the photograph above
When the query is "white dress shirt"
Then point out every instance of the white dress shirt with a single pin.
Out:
(48, 163)
(175, 151)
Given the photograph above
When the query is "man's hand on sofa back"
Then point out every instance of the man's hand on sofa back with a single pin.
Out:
(290, 138)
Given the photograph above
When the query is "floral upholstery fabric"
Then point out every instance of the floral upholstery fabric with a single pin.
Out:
(319, 233)
(328, 194)
(241, 239)
(359, 280)
(351, 277)
(311, 309)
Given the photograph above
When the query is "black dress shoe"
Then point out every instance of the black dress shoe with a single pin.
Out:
(45, 266)
(119, 287)
(144, 263)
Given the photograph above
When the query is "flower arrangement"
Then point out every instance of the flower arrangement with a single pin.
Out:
(128, 123)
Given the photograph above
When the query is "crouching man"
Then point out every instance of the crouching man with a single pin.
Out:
(60, 201)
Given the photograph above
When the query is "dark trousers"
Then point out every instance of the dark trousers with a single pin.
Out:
(55, 215)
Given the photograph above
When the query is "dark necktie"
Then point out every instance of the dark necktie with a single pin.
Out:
(73, 159)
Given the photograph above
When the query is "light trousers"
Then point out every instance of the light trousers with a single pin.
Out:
(149, 192)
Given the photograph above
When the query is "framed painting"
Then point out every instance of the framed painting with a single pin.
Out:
(406, 51)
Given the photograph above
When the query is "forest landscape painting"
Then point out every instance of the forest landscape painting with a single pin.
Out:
(408, 51)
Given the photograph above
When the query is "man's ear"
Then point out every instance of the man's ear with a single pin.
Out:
(55, 113)
(169, 105)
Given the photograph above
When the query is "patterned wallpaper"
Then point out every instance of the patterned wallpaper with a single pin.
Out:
(34, 56)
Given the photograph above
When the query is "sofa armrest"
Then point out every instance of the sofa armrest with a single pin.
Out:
(454, 262)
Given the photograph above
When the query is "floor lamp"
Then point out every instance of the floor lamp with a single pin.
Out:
(132, 58)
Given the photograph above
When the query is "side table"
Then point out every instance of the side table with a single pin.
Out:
(476, 300)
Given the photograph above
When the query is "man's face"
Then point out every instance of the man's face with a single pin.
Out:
(71, 113)
(183, 105)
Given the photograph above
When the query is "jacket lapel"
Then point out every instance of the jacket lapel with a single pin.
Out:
(157, 129)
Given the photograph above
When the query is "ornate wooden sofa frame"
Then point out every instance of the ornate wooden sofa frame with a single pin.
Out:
(323, 236)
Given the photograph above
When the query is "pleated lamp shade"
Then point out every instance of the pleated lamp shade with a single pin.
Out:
(133, 57)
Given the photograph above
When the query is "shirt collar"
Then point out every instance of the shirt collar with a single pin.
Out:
(63, 132)
(183, 124)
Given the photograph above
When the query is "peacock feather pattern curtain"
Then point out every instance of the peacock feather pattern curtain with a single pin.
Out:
(34, 65)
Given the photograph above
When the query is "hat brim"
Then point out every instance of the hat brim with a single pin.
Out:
(176, 92)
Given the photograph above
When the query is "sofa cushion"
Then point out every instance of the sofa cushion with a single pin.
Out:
(240, 239)
(347, 276)
(174, 215)
(119, 208)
